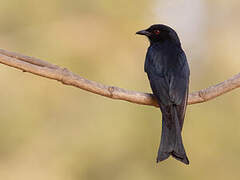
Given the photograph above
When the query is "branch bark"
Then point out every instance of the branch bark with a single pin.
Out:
(42, 68)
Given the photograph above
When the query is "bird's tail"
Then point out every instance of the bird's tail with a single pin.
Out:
(171, 139)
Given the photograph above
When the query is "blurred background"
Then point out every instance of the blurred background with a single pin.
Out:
(54, 132)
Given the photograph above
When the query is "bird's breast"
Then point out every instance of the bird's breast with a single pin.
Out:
(162, 61)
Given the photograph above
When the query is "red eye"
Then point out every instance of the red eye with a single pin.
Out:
(157, 32)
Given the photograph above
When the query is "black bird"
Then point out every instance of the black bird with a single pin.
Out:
(168, 72)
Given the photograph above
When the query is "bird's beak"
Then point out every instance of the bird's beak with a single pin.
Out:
(143, 32)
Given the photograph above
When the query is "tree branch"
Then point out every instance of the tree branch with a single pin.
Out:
(45, 69)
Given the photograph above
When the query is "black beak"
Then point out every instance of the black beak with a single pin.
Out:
(143, 32)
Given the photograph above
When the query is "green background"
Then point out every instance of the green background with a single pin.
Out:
(54, 132)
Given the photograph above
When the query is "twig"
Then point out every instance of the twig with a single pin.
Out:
(45, 69)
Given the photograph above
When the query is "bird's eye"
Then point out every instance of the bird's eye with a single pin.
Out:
(157, 32)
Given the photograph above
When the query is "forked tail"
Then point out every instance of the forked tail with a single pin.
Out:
(171, 139)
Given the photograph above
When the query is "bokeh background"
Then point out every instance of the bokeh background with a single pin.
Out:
(54, 132)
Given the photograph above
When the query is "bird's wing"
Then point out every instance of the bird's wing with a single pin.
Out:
(170, 86)
(179, 87)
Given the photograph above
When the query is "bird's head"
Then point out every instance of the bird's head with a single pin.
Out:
(160, 33)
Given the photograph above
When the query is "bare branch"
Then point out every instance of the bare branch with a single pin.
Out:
(45, 69)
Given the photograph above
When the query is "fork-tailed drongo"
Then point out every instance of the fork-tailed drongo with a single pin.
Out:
(168, 72)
